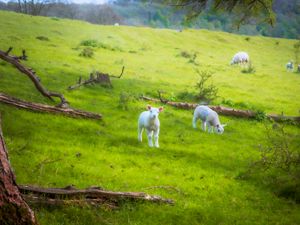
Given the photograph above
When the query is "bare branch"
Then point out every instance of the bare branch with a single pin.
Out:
(47, 108)
(14, 60)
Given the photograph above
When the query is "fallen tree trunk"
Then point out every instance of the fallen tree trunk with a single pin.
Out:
(47, 108)
(13, 208)
(63, 195)
(224, 110)
(43, 201)
(15, 61)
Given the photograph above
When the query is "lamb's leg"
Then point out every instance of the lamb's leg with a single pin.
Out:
(140, 133)
(210, 129)
(149, 135)
(195, 122)
(156, 134)
(203, 126)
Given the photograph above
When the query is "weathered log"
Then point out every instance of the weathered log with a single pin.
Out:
(97, 77)
(47, 108)
(224, 110)
(72, 193)
(15, 61)
(45, 201)
(13, 208)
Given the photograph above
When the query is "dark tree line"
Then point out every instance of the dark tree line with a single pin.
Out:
(99, 14)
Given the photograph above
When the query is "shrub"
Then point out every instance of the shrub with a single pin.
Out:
(206, 92)
(164, 96)
(228, 102)
(108, 47)
(279, 162)
(193, 59)
(192, 56)
(89, 43)
(185, 54)
(124, 100)
(297, 51)
(87, 52)
(42, 38)
(260, 115)
(186, 96)
(55, 18)
(249, 68)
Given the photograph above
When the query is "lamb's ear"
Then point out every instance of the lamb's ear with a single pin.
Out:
(224, 125)
(149, 107)
(160, 109)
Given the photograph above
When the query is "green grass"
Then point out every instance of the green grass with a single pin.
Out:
(202, 166)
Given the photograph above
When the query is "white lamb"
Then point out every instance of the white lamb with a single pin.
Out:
(290, 66)
(209, 117)
(149, 120)
(240, 57)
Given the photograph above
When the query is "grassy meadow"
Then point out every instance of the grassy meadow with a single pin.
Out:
(204, 167)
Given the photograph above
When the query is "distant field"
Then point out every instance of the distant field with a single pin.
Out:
(202, 166)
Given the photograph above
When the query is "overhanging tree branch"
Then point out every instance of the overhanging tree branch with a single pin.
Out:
(244, 10)
(15, 61)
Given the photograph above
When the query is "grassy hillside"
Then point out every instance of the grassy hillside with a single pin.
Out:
(202, 166)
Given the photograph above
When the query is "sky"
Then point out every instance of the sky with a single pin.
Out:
(79, 1)
(89, 1)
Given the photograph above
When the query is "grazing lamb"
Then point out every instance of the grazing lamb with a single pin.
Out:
(209, 117)
(240, 57)
(290, 66)
(149, 120)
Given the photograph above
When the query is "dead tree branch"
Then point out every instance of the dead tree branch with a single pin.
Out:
(46, 161)
(224, 110)
(44, 201)
(168, 188)
(119, 75)
(92, 193)
(97, 77)
(47, 108)
(13, 208)
(15, 61)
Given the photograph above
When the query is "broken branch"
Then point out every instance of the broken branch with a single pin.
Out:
(120, 74)
(47, 108)
(14, 60)
(93, 193)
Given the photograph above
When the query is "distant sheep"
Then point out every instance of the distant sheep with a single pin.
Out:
(116, 24)
(208, 117)
(240, 57)
(290, 66)
(149, 120)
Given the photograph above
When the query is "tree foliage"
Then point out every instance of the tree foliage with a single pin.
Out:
(244, 10)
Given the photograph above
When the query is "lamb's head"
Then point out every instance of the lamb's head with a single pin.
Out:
(154, 112)
(220, 128)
